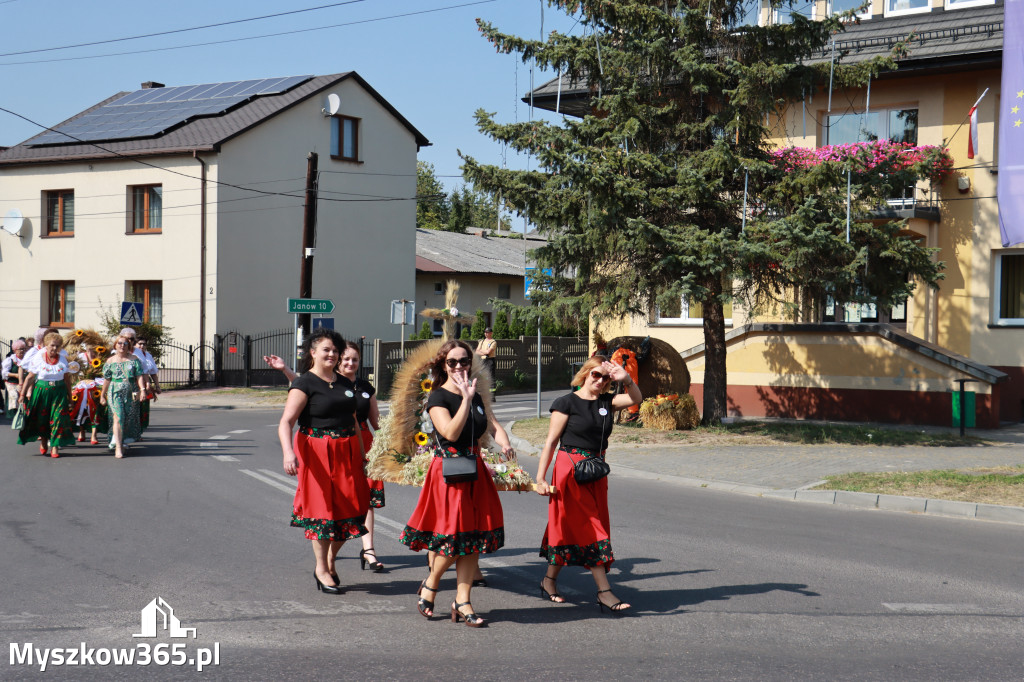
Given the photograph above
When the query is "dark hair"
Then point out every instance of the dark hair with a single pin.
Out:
(438, 367)
(318, 335)
(354, 346)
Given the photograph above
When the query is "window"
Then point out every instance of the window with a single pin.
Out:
(958, 4)
(345, 138)
(438, 288)
(59, 209)
(439, 328)
(505, 291)
(145, 208)
(688, 312)
(900, 7)
(896, 125)
(864, 312)
(60, 304)
(150, 295)
(1009, 279)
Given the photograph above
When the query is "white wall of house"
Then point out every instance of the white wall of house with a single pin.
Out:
(365, 253)
(475, 292)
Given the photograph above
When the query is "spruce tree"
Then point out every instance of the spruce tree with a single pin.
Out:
(642, 199)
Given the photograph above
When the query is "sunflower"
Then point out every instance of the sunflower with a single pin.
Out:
(426, 385)
(96, 363)
(96, 393)
(79, 332)
(421, 438)
(74, 397)
(101, 349)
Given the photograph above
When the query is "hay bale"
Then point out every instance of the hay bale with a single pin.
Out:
(669, 412)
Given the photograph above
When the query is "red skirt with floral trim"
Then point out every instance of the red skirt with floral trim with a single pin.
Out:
(332, 498)
(456, 519)
(579, 529)
(376, 487)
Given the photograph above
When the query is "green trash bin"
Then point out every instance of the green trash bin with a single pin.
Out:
(969, 403)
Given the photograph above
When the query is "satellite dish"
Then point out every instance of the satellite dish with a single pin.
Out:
(331, 105)
(13, 221)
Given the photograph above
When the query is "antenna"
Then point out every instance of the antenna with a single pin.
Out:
(332, 104)
(13, 222)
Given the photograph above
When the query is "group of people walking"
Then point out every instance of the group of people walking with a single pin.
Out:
(52, 407)
(457, 518)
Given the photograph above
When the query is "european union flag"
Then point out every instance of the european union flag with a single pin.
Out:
(1011, 126)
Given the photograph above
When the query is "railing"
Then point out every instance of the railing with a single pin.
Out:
(185, 366)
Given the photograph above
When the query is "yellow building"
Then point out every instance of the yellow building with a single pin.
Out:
(859, 362)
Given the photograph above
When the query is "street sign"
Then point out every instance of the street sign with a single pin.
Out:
(403, 312)
(323, 323)
(131, 313)
(528, 280)
(298, 306)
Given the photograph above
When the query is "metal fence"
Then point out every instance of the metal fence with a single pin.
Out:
(185, 366)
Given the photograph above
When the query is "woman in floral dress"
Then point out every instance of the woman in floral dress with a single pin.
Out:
(122, 384)
(458, 521)
(48, 404)
(579, 530)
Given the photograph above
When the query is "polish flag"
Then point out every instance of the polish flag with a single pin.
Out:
(972, 141)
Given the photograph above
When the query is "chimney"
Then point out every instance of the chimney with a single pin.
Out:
(149, 85)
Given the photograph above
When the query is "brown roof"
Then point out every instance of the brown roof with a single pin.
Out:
(203, 134)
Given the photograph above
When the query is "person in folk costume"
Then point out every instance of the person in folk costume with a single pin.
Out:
(150, 369)
(123, 383)
(10, 374)
(457, 521)
(333, 496)
(579, 529)
(26, 362)
(46, 398)
(89, 350)
(368, 416)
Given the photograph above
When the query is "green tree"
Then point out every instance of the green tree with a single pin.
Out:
(425, 332)
(479, 324)
(642, 199)
(501, 329)
(432, 208)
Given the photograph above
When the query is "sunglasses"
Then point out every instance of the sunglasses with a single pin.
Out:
(594, 374)
(460, 362)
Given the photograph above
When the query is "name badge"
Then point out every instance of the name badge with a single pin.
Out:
(603, 411)
(350, 394)
(366, 395)
(479, 409)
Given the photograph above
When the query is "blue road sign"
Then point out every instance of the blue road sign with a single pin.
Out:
(131, 313)
(323, 322)
(528, 280)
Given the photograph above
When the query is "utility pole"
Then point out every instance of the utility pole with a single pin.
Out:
(308, 244)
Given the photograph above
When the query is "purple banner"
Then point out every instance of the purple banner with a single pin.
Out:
(1011, 126)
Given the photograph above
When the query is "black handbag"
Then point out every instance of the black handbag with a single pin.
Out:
(459, 469)
(590, 469)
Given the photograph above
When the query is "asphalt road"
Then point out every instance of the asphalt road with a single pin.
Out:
(724, 586)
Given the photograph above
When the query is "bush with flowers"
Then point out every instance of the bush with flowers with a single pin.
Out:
(880, 156)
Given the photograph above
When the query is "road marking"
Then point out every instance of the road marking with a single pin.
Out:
(225, 458)
(290, 480)
(240, 431)
(934, 608)
(506, 410)
(219, 437)
(269, 481)
(206, 444)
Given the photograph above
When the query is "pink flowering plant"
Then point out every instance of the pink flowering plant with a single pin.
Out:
(873, 159)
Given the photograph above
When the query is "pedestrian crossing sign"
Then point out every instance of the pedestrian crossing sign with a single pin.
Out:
(131, 313)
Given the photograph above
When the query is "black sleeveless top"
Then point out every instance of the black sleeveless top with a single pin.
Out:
(587, 428)
(326, 407)
(476, 423)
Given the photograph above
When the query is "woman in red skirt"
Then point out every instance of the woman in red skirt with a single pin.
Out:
(458, 521)
(579, 530)
(332, 497)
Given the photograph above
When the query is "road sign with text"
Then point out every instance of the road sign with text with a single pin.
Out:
(299, 306)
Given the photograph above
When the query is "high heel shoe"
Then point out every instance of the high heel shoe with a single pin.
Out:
(617, 609)
(375, 566)
(326, 589)
(480, 582)
(472, 620)
(423, 604)
(54, 453)
(553, 596)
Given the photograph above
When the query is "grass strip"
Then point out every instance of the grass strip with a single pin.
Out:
(1002, 485)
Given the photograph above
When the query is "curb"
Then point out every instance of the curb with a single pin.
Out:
(844, 498)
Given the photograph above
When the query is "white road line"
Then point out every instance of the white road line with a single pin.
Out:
(290, 480)
(505, 410)
(207, 444)
(219, 437)
(225, 458)
(934, 608)
(269, 481)
(240, 431)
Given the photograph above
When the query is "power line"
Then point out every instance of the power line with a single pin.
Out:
(257, 37)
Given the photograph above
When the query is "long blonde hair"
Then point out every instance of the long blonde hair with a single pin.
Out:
(581, 376)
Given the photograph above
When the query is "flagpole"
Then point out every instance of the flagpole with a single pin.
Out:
(946, 143)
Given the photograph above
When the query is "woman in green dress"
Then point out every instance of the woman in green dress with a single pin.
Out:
(123, 384)
(46, 399)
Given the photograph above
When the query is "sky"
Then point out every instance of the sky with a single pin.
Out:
(436, 68)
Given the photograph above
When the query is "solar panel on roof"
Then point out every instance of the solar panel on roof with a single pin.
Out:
(152, 111)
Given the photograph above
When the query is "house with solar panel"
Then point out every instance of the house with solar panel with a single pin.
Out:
(858, 360)
(190, 200)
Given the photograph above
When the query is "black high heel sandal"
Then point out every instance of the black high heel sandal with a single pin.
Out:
(326, 589)
(472, 620)
(553, 596)
(375, 566)
(617, 609)
(422, 604)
